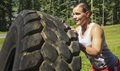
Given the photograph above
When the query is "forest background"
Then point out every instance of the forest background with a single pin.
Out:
(104, 12)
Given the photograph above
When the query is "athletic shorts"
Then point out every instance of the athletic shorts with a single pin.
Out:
(116, 68)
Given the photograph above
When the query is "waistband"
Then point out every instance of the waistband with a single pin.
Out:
(116, 68)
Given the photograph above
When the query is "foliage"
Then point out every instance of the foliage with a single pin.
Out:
(6, 14)
(60, 8)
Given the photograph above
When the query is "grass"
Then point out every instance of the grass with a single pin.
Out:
(3, 32)
(1, 42)
(2, 39)
(112, 34)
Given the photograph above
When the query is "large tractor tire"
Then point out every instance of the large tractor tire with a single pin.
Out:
(38, 41)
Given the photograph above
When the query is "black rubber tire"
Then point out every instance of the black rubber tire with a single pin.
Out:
(40, 42)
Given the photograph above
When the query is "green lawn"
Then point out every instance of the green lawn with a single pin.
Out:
(112, 34)
(3, 32)
(1, 42)
(2, 39)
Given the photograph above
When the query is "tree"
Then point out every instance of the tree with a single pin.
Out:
(6, 14)
(25, 4)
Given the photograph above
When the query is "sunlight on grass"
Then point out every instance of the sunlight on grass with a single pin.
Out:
(1, 42)
(3, 32)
